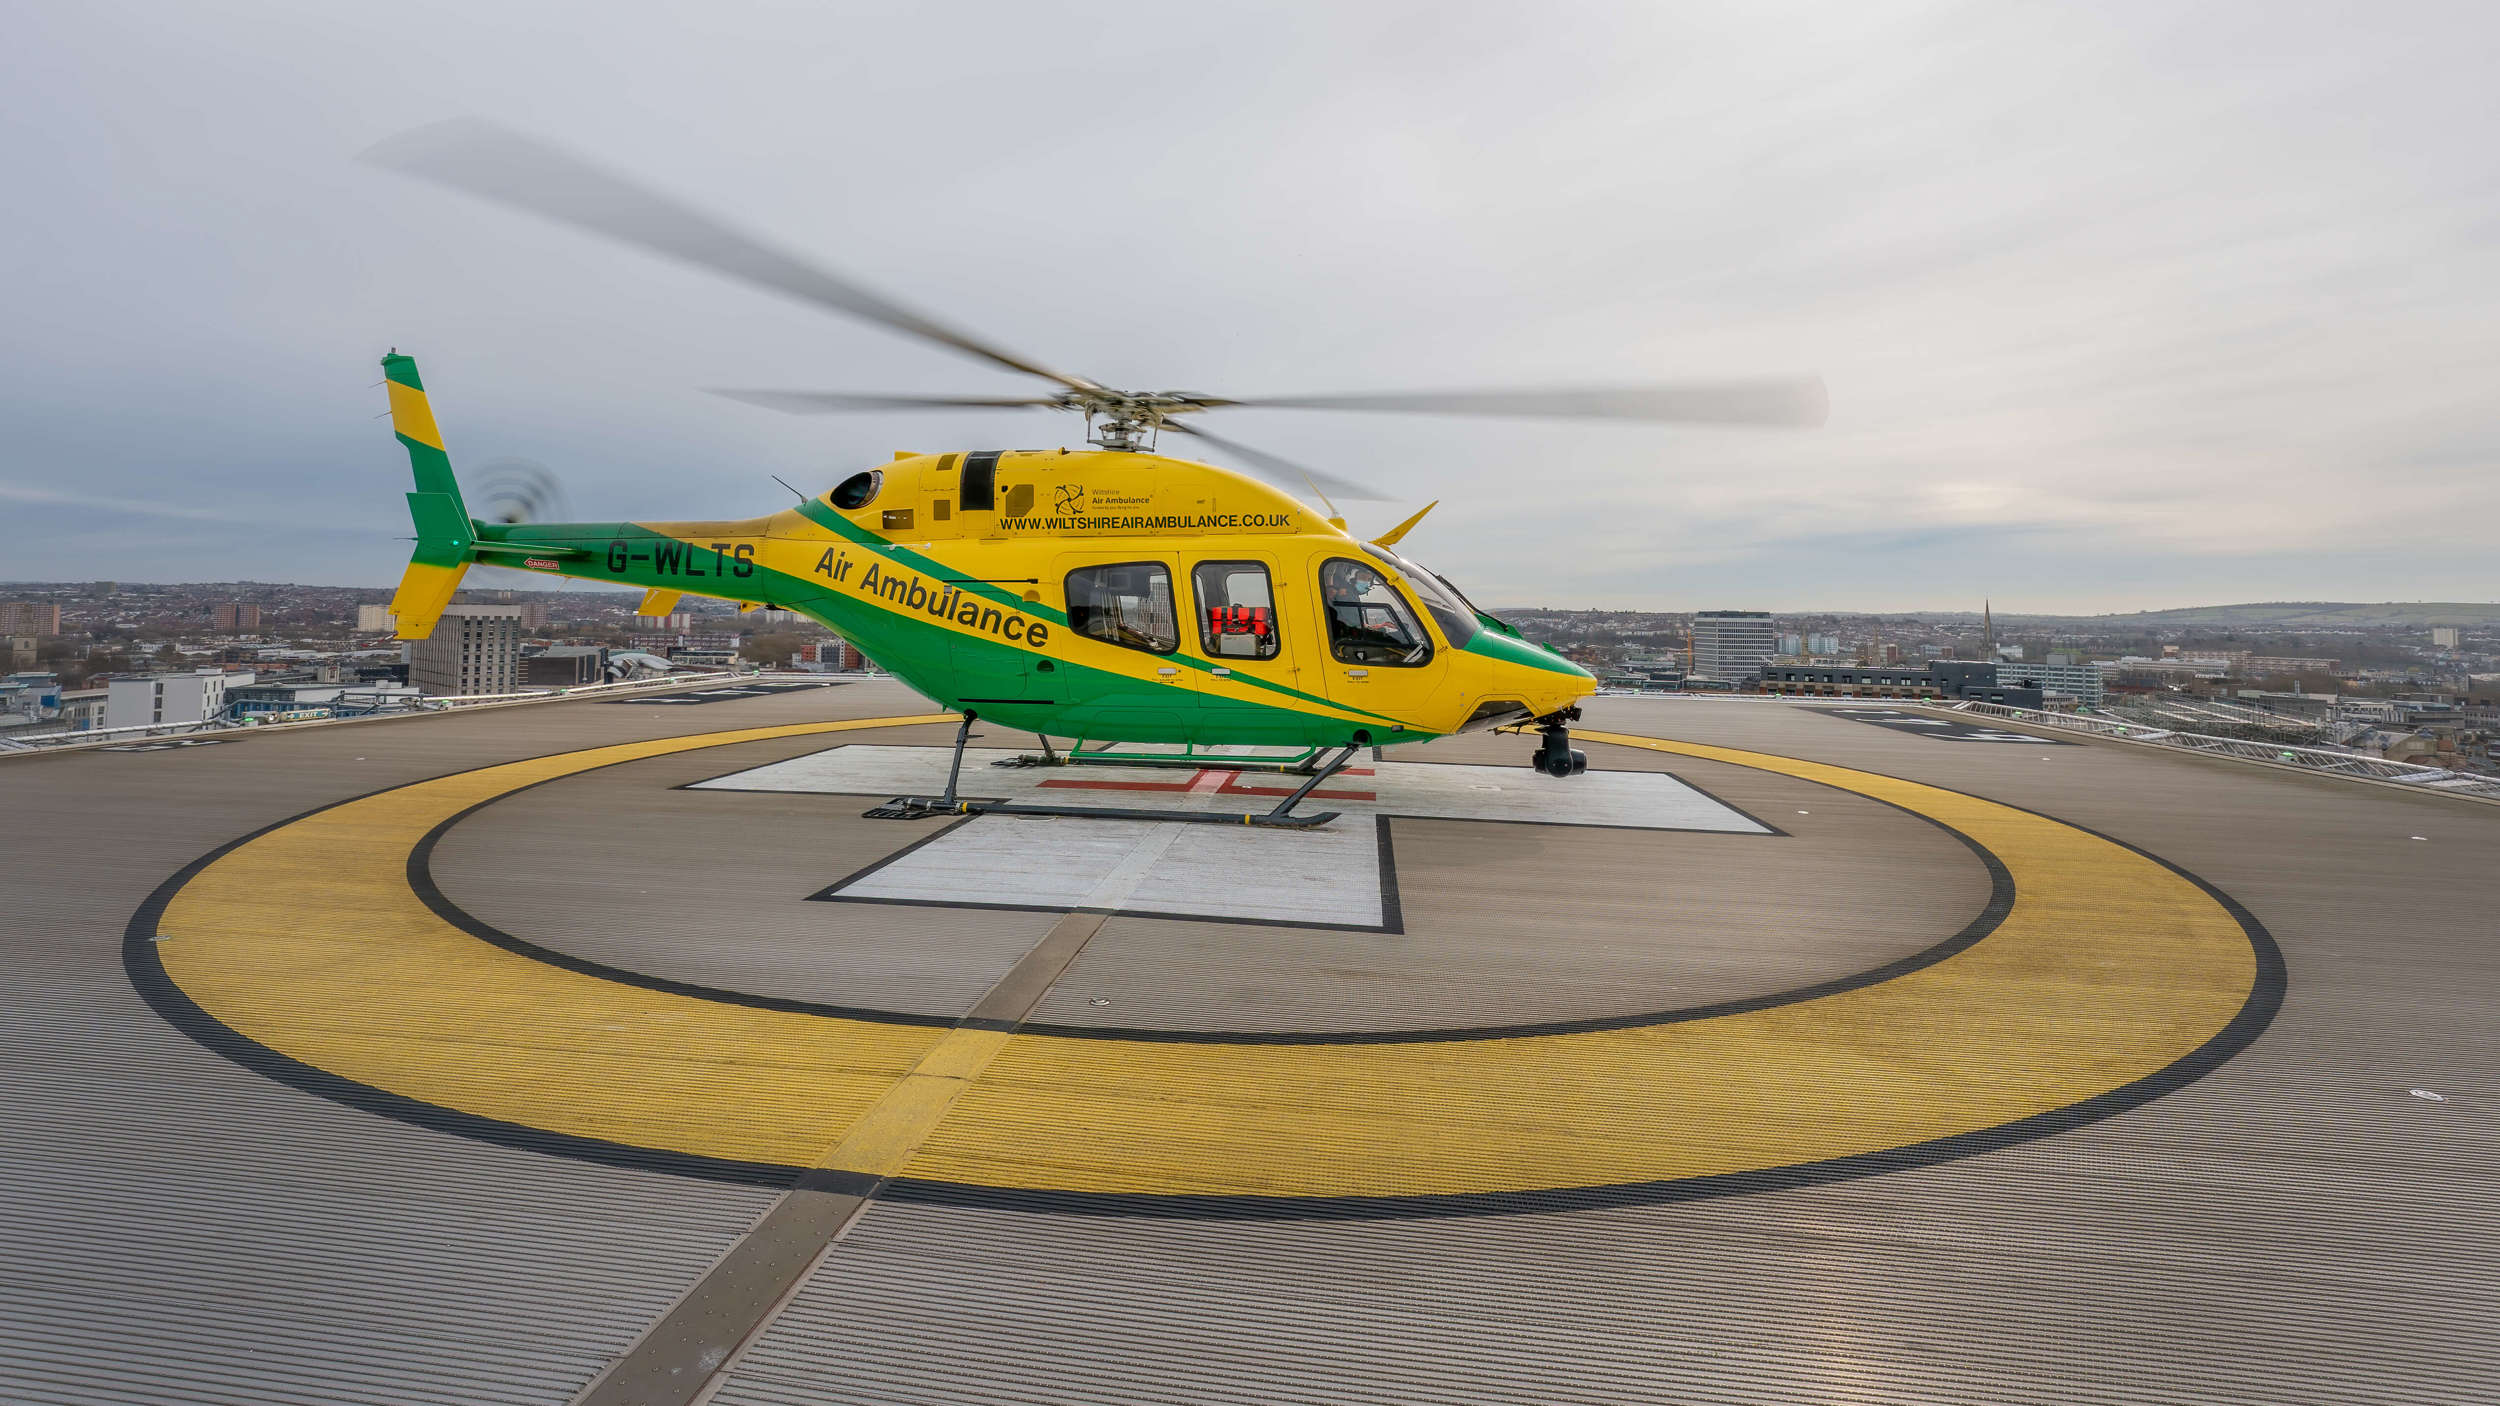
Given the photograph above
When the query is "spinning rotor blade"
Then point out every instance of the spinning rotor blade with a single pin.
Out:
(1763, 402)
(1285, 470)
(827, 402)
(519, 490)
(502, 166)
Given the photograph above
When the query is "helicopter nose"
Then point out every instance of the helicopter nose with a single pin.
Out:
(1554, 662)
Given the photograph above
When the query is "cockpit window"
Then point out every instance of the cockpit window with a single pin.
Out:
(857, 491)
(1368, 621)
(1449, 609)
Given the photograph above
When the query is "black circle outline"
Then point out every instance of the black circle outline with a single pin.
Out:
(2000, 902)
(147, 976)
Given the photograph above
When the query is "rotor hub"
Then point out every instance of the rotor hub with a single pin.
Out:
(1123, 420)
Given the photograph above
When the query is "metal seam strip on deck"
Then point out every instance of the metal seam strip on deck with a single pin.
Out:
(680, 1356)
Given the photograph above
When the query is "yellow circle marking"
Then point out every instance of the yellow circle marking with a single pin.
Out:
(2109, 968)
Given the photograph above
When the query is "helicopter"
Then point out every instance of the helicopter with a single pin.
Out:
(1111, 594)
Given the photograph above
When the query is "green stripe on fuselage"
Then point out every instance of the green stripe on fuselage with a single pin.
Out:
(1518, 651)
(936, 659)
(816, 511)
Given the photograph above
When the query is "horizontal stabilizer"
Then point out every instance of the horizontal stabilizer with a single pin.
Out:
(526, 549)
(423, 592)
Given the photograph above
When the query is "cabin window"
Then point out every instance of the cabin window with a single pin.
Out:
(857, 491)
(1456, 617)
(1128, 604)
(1236, 610)
(1368, 621)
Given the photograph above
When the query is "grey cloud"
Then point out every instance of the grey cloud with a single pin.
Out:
(2119, 305)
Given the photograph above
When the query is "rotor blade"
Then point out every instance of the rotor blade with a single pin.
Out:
(1762, 402)
(1285, 470)
(827, 402)
(502, 166)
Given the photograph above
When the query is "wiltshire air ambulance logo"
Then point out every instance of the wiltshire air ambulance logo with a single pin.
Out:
(1071, 500)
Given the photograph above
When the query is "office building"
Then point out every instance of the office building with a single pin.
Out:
(291, 700)
(82, 709)
(1946, 679)
(19, 617)
(1649, 675)
(235, 617)
(375, 620)
(833, 655)
(1731, 646)
(474, 649)
(2211, 661)
(34, 702)
(565, 666)
(156, 699)
(678, 646)
(21, 653)
(2059, 673)
(533, 612)
(30, 696)
(2446, 636)
(2264, 665)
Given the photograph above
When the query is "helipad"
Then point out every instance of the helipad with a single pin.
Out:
(610, 1054)
(1341, 875)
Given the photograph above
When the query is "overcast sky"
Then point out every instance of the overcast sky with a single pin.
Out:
(2120, 306)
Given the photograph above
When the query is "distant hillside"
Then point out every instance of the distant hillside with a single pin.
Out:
(2290, 616)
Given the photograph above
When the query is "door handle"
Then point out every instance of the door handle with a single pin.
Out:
(1167, 671)
(1358, 673)
(1222, 673)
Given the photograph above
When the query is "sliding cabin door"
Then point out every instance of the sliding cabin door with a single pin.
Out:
(1129, 681)
(1253, 684)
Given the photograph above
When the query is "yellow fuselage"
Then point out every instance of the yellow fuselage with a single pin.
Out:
(1063, 591)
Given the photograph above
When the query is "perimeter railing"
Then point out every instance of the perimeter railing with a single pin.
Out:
(2322, 760)
(394, 707)
(2214, 710)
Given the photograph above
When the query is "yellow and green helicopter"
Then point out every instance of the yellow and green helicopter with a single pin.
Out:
(1109, 594)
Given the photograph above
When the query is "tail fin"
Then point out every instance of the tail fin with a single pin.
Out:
(445, 535)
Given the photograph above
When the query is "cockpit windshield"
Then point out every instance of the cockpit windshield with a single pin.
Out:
(1452, 611)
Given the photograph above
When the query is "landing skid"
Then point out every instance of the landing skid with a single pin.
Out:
(1319, 765)
(1189, 758)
